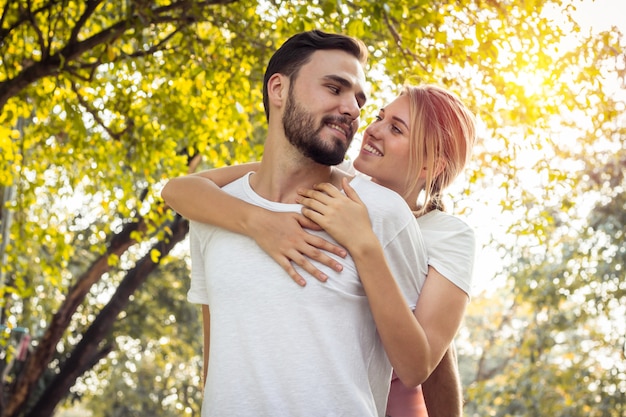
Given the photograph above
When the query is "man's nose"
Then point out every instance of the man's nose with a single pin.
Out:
(350, 107)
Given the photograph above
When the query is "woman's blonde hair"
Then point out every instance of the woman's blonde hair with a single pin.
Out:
(443, 131)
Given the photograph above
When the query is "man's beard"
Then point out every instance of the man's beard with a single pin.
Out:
(299, 129)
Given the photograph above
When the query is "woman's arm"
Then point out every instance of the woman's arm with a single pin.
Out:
(281, 235)
(206, 332)
(416, 341)
(198, 197)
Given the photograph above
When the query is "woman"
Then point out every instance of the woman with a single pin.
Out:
(417, 146)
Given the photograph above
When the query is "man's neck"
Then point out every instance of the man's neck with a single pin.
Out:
(279, 180)
(284, 169)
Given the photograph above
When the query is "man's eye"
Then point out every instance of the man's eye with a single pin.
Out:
(334, 89)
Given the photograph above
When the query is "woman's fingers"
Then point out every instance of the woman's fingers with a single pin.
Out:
(323, 192)
(321, 199)
(328, 189)
(318, 249)
(304, 263)
(312, 204)
(302, 257)
(286, 264)
(350, 192)
(307, 223)
(281, 235)
(342, 215)
(315, 200)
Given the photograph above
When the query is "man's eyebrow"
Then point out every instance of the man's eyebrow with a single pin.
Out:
(361, 97)
(397, 119)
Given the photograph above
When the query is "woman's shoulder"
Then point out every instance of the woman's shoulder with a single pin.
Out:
(451, 246)
(438, 221)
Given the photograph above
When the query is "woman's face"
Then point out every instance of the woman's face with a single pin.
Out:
(384, 152)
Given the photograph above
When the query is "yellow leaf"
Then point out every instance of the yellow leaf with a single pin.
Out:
(155, 255)
(113, 259)
(110, 53)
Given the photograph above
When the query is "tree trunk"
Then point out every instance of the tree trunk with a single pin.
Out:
(38, 362)
(86, 354)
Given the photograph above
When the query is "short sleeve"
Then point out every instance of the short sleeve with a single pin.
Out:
(197, 293)
(451, 246)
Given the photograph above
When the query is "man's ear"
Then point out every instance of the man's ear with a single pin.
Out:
(277, 88)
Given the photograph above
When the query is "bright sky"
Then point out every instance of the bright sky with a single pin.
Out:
(601, 14)
(592, 16)
(489, 222)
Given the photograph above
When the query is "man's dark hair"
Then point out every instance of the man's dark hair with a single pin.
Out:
(297, 51)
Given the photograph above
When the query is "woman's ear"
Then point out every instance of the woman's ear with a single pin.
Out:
(440, 165)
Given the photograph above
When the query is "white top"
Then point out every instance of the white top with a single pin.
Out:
(450, 242)
(451, 247)
(278, 349)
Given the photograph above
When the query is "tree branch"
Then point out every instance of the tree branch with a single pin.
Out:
(43, 45)
(36, 363)
(80, 23)
(398, 40)
(94, 113)
(58, 62)
(81, 357)
(23, 17)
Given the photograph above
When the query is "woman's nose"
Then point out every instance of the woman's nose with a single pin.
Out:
(372, 130)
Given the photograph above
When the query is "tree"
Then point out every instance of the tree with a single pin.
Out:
(101, 101)
(559, 349)
(556, 342)
(88, 112)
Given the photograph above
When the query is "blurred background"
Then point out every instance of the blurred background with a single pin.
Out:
(102, 101)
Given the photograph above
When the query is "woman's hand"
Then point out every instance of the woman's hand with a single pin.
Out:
(344, 217)
(282, 236)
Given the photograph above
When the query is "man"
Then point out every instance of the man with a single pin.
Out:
(277, 349)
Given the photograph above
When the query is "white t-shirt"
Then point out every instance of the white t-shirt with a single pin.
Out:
(450, 242)
(451, 247)
(278, 349)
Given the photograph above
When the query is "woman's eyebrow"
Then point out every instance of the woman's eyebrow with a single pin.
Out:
(396, 118)
(402, 122)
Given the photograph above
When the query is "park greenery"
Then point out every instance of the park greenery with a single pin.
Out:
(101, 101)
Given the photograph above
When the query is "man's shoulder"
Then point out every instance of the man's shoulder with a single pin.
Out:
(237, 184)
(372, 193)
(387, 209)
(359, 182)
